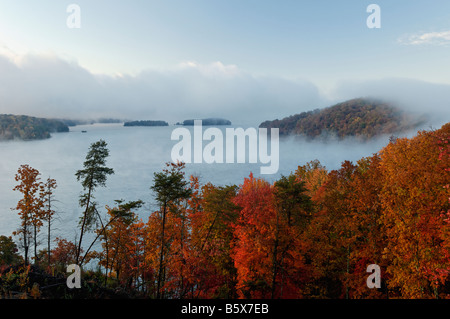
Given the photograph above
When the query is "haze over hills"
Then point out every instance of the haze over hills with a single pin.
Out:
(362, 118)
(207, 121)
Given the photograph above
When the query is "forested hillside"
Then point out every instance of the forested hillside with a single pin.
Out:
(28, 128)
(358, 117)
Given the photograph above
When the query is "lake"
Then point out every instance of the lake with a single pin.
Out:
(135, 154)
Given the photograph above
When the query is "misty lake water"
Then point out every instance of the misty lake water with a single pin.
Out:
(135, 154)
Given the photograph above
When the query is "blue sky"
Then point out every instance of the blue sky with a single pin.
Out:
(324, 43)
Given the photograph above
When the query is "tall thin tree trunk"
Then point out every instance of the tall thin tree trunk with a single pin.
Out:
(25, 241)
(161, 256)
(35, 244)
(25, 230)
(274, 259)
(182, 256)
(83, 225)
(348, 272)
(48, 242)
(49, 225)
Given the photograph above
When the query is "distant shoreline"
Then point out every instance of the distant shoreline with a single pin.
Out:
(146, 123)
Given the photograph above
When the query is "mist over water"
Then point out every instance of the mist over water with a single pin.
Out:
(135, 154)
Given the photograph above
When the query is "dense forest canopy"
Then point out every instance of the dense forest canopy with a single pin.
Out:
(363, 118)
(28, 127)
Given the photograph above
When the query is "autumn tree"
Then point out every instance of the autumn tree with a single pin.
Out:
(93, 175)
(442, 137)
(293, 213)
(413, 197)
(170, 186)
(176, 279)
(332, 230)
(369, 232)
(29, 206)
(254, 232)
(117, 235)
(267, 253)
(213, 240)
(139, 273)
(345, 234)
(180, 262)
(63, 253)
(313, 174)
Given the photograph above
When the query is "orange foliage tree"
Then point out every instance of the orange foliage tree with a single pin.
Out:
(212, 242)
(267, 253)
(331, 235)
(413, 197)
(29, 206)
(121, 243)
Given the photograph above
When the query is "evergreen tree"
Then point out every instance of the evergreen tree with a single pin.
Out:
(93, 175)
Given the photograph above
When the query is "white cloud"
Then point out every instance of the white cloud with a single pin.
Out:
(434, 38)
(49, 86)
